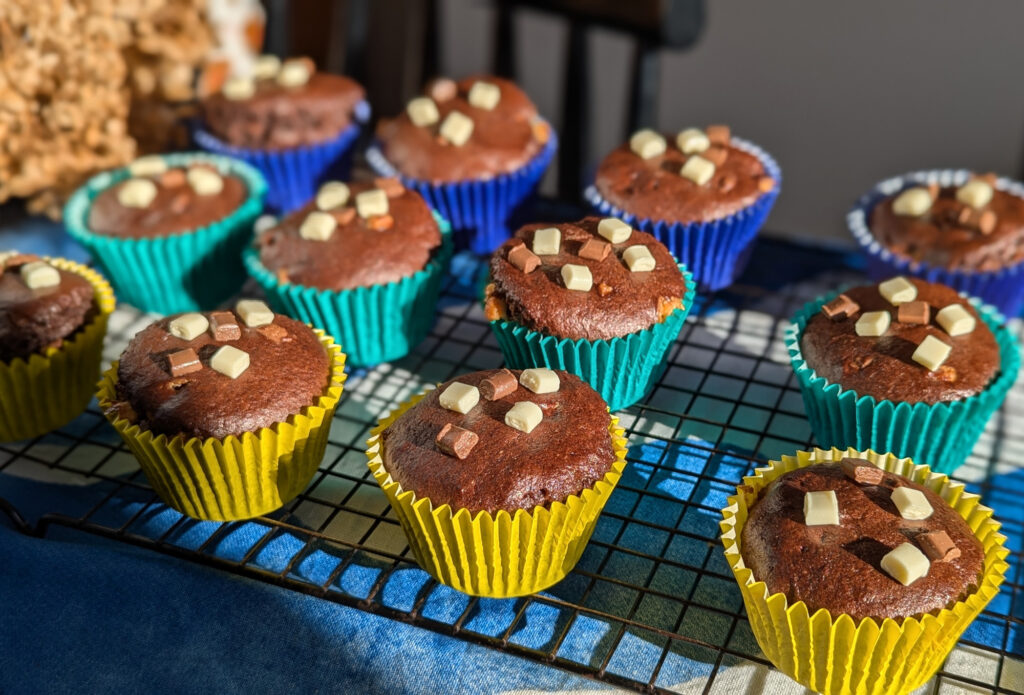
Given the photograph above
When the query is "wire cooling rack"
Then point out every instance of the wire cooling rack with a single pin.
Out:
(652, 605)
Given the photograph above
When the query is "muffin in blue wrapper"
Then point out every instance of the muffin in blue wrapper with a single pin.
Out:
(717, 250)
(190, 270)
(939, 434)
(1003, 287)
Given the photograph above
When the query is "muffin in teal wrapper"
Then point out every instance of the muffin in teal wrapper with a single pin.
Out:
(187, 270)
(940, 434)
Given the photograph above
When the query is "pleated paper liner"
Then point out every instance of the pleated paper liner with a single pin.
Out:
(194, 270)
(234, 478)
(833, 654)
(49, 390)
(1002, 288)
(496, 555)
(373, 324)
(478, 210)
(623, 370)
(716, 252)
(940, 435)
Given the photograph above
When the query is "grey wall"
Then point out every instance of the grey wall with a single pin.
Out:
(843, 94)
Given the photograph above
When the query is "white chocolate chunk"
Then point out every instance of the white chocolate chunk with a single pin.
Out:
(205, 181)
(230, 361)
(692, 141)
(912, 202)
(150, 165)
(911, 503)
(976, 193)
(931, 353)
(332, 194)
(39, 274)
(459, 397)
(422, 112)
(188, 326)
(318, 226)
(524, 416)
(906, 564)
(540, 380)
(294, 73)
(821, 508)
(698, 170)
(647, 144)
(372, 203)
(955, 319)
(873, 323)
(547, 241)
(577, 277)
(254, 313)
(263, 223)
(456, 128)
(614, 230)
(484, 95)
(136, 193)
(267, 66)
(898, 290)
(638, 259)
(238, 88)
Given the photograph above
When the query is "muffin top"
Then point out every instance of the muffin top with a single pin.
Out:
(839, 566)
(220, 373)
(594, 279)
(924, 344)
(282, 105)
(477, 128)
(466, 444)
(694, 176)
(975, 226)
(159, 200)
(352, 235)
(40, 305)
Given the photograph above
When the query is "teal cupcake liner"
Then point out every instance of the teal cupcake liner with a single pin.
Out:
(190, 271)
(940, 435)
(372, 324)
(623, 370)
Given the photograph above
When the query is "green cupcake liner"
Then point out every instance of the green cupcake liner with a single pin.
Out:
(372, 324)
(940, 435)
(623, 370)
(190, 271)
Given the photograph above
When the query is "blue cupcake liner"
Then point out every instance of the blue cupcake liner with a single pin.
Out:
(294, 174)
(940, 435)
(623, 370)
(372, 324)
(479, 210)
(189, 271)
(716, 252)
(1003, 288)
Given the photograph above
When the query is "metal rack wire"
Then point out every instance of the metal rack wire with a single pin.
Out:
(651, 605)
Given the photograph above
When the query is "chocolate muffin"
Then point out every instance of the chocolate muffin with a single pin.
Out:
(974, 227)
(594, 279)
(693, 176)
(40, 305)
(501, 440)
(352, 235)
(220, 373)
(282, 105)
(477, 128)
(843, 563)
(922, 344)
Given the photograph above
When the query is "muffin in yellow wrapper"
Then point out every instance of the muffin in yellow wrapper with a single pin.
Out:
(234, 477)
(49, 390)
(833, 654)
(497, 555)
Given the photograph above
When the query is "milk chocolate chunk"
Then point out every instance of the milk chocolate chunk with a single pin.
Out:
(391, 186)
(498, 385)
(595, 250)
(916, 312)
(273, 332)
(523, 258)
(938, 546)
(862, 471)
(224, 326)
(183, 362)
(456, 441)
(718, 134)
(840, 308)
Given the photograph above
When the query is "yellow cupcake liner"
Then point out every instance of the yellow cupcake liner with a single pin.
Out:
(834, 654)
(49, 390)
(234, 478)
(496, 555)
